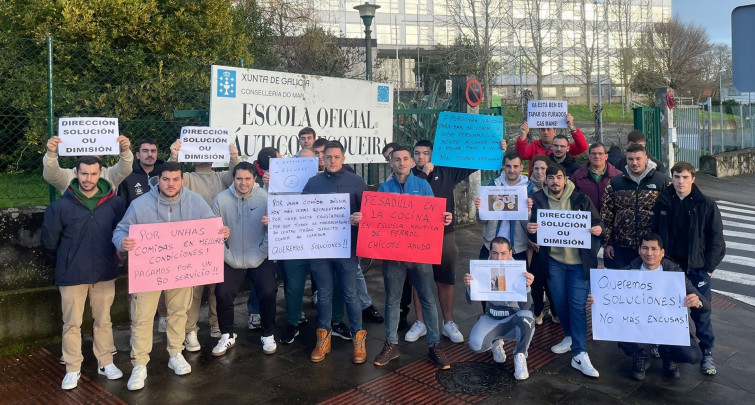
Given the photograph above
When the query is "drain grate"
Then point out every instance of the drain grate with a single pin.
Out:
(722, 304)
(475, 378)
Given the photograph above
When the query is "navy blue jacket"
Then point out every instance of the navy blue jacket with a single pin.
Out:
(80, 239)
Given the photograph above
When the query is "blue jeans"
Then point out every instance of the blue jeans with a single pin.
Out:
(326, 271)
(394, 275)
(253, 304)
(569, 289)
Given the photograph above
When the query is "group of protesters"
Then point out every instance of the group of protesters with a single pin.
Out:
(640, 221)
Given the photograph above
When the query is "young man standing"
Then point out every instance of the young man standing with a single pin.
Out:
(544, 145)
(306, 139)
(145, 165)
(76, 232)
(61, 178)
(592, 178)
(692, 231)
(562, 156)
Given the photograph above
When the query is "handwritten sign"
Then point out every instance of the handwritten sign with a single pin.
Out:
(88, 136)
(204, 144)
(639, 306)
(503, 203)
(498, 280)
(308, 226)
(469, 141)
(546, 113)
(401, 227)
(564, 228)
(172, 255)
(291, 174)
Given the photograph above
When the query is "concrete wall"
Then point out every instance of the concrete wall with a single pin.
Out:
(729, 163)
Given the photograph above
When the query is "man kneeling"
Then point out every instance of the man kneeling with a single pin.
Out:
(516, 322)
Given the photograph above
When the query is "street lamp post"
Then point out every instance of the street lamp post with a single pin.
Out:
(721, 107)
(367, 13)
(597, 51)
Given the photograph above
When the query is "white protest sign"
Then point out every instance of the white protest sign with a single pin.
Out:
(546, 113)
(266, 108)
(88, 136)
(498, 280)
(503, 202)
(308, 226)
(204, 144)
(639, 306)
(564, 228)
(289, 175)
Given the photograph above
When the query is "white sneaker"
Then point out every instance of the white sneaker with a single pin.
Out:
(255, 321)
(499, 355)
(110, 371)
(178, 364)
(71, 380)
(136, 381)
(451, 331)
(191, 344)
(562, 347)
(417, 331)
(582, 363)
(162, 324)
(226, 342)
(520, 367)
(268, 344)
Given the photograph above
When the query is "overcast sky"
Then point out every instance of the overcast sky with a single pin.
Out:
(713, 15)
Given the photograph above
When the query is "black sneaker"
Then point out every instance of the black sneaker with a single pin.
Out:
(438, 358)
(671, 369)
(291, 332)
(389, 352)
(341, 330)
(371, 314)
(640, 363)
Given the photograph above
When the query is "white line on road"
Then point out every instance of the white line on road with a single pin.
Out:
(740, 260)
(738, 278)
(732, 209)
(738, 224)
(735, 234)
(747, 247)
(744, 298)
(735, 216)
(737, 204)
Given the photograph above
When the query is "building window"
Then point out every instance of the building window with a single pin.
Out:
(548, 92)
(571, 91)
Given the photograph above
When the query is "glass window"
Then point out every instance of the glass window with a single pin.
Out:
(572, 91)
(387, 6)
(411, 35)
(411, 6)
(355, 31)
(549, 92)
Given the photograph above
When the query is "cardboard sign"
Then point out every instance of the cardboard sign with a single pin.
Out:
(308, 226)
(204, 144)
(266, 108)
(546, 113)
(639, 306)
(564, 228)
(503, 203)
(291, 174)
(469, 141)
(401, 227)
(88, 136)
(498, 280)
(172, 255)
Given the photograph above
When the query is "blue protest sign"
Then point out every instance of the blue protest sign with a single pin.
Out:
(469, 141)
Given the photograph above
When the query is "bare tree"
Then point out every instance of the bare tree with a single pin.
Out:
(717, 61)
(580, 42)
(535, 29)
(628, 17)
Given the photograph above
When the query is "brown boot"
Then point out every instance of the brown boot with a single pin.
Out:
(360, 352)
(323, 346)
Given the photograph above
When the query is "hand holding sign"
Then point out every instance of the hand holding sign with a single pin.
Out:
(468, 141)
(546, 114)
(498, 280)
(88, 136)
(291, 174)
(204, 144)
(503, 203)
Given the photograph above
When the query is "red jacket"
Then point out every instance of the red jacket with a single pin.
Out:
(584, 182)
(534, 148)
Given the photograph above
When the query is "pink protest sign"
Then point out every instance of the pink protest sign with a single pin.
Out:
(175, 254)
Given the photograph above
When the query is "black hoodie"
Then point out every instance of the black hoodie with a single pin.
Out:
(137, 183)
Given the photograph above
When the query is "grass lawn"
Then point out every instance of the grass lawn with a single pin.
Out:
(20, 190)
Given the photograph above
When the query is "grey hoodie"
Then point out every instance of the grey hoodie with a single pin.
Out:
(247, 246)
(153, 208)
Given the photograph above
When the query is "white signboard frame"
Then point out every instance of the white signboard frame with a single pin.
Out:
(564, 228)
(503, 203)
(547, 113)
(639, 306)
(88, 136)
(205, 144)
(289, 175)
(308, 226)
(265, 108)
(488, 276)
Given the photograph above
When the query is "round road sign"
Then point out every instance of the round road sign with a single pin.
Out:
(670, 99)
(473, 92)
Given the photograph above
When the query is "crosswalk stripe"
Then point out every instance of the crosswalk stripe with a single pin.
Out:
(738, 224)
(741, 260)
(750, 218)
(735, 234)
(737, 278)
(748, 247)
(732, 209)
(744, 298)
(736, 204)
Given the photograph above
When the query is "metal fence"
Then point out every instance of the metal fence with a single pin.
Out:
(731, 130)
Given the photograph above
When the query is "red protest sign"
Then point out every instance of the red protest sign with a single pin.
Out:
(401, 227)
(175, 255)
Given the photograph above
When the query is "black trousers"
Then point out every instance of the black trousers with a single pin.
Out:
(263, 282)
(681, 354)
